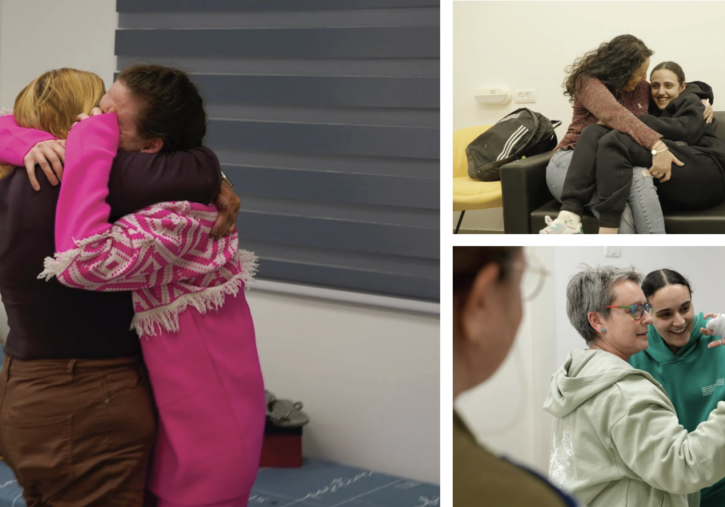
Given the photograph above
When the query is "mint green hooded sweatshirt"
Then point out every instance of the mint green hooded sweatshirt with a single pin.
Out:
(617, 440)
(694, 380)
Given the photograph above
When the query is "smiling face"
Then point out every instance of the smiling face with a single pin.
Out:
(665, 87)
(625, 336)
(673, 315)
(638, 75)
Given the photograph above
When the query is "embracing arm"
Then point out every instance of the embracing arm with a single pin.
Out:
(701, 89)
(687, 123)
(152, 247)
(650, 433)
(30, 148)
(141, 179)
(16, 141)
(138, 179)
(600, 102)
(82, 211)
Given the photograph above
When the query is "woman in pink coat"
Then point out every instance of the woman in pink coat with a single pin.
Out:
(196, 328)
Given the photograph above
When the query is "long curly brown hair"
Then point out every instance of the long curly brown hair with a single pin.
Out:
(613, 63)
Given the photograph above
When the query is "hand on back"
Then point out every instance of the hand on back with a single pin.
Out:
(50, 156)
(228, 204)
(709, 114)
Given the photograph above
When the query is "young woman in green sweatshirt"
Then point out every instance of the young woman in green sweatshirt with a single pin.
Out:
(678, 357)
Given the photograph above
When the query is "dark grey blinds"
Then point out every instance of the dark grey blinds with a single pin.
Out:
(325, 115)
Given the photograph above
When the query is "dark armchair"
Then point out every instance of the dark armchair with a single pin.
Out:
(527, 200)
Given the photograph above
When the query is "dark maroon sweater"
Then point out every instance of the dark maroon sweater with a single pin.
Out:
(50, 321)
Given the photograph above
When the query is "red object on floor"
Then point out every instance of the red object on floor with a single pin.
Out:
(282, 447)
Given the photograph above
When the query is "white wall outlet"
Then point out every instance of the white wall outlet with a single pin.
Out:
(613, 251)
(523, 96)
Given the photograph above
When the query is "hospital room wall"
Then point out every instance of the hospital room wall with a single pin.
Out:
(369, 377)
(527, 45)
(520, 428)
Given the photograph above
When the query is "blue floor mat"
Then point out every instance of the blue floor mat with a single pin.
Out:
(317, 483)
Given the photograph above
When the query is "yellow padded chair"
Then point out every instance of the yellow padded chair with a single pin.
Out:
(471, 194)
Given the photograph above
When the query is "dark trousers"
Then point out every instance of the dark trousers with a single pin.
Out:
(604, 161)
(581, 178)
(77, 433)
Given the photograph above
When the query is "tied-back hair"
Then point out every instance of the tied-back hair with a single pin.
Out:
(655, 280)
(673, 67)
(589, 291)
(612, 63)
(171, 107)
(468, 261)
(53, 100)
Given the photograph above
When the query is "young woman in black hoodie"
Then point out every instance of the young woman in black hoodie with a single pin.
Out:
(607, 157)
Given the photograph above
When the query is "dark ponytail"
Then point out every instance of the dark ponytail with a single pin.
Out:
(658, 279)
(673, 67)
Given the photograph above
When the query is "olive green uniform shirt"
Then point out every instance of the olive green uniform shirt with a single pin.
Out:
(481, 479)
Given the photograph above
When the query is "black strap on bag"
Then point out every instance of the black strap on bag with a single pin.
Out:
(518, 134)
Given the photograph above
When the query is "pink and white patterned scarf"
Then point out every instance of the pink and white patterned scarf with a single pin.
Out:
(163, 254)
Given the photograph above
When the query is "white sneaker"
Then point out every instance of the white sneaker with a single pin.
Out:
(560, 227)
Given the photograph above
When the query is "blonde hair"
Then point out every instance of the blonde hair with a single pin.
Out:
(53, 100)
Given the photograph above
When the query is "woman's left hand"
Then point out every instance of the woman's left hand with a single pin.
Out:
(662, 165)
(709, 114)
(228, 204)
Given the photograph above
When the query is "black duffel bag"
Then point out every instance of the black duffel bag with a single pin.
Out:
(522, 133)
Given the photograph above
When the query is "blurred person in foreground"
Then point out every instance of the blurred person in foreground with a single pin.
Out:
(487, 311)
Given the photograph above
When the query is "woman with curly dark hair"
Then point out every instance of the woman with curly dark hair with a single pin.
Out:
(608, 86)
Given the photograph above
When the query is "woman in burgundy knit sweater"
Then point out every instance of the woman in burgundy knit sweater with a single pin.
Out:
(608, 86)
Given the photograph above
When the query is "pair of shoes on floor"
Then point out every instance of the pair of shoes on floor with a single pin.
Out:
(557, 226)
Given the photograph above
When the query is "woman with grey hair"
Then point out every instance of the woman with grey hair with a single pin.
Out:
(616, 436)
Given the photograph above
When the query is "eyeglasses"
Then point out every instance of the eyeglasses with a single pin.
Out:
(637, 310)
(533, 276)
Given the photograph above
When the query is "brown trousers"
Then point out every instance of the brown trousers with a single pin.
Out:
(77, 433)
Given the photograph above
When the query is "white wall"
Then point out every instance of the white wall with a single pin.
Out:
(525, 45)
(505, 413)
(38, 35)
(369, 378)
